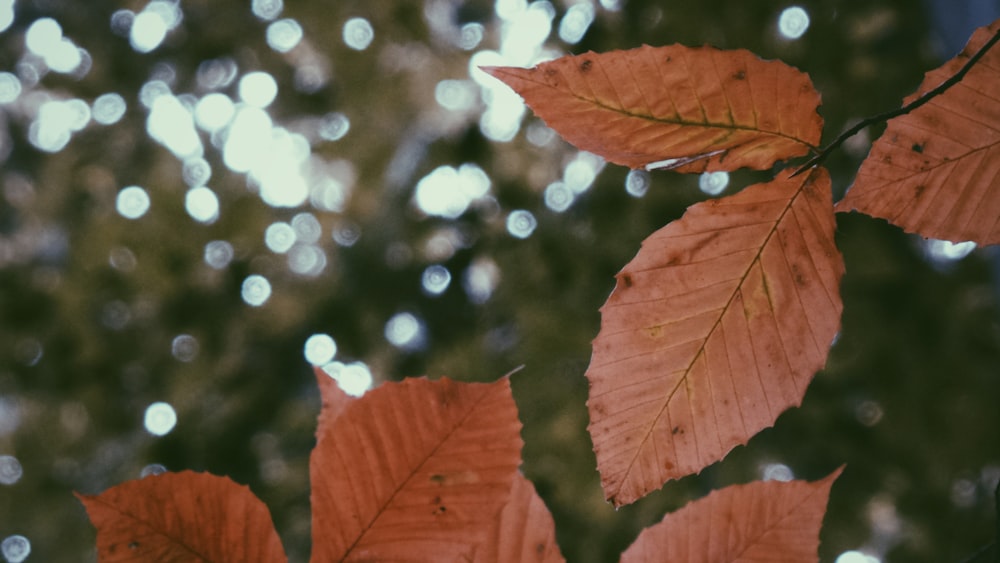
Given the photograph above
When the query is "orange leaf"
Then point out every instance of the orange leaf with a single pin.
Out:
(713, 329)
(182, 516)
(760, 521)
(936, 170)
(414, 470)
(524, 530)
(687, 108)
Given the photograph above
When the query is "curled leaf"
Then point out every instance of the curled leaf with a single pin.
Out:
(687, 108)
(935, 170)
(713, 329)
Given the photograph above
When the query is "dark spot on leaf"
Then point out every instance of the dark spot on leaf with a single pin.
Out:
(675, 430)
(550, 72)
(919, 190)
(436, 500)
(917, 148)
(585, 65)
(627, 280)
(539, 548)
(669, 59)
(739, 75)
(133, 545)
(437, 478)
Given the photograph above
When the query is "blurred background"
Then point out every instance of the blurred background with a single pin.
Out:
(200, 200)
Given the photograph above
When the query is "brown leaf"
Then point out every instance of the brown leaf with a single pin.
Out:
(760, 521)
(713, 329)
(936, 170)
(687, 108)
(182, 516)
(415, 471)
(523, 531)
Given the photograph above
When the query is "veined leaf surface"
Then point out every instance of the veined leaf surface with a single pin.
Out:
(936, 170)
(687, 108)
(413, 471)
(523, 531)
(713, 329)
(182, 516)
(760, 521)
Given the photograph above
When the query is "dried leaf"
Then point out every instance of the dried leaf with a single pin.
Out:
(760, 521)
(182, 516)
(713, 329)
(688, 108)
(936, 170)
(524, 530)
(416, 470)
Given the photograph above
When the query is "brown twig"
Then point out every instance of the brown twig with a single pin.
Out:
(885, 116)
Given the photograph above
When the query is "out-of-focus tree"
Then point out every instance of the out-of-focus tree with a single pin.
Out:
(201, 198)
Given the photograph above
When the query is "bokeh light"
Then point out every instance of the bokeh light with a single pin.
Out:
(256, 290)
(521, 223)
(108, 108)
(10, 470)
(405, 331)
(637, 182)
(358, 33)
(15, 548)
(353, 378)
(218, 254)
(284, 35)
(320, 349)
(435, 279)
(793, 22)
(160, 418)
(133, 202)
(713, 183)
(184, 347)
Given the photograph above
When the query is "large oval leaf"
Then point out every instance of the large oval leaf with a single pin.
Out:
(687, 108)
(182, 516)
(413, 471)
(936, 170)
(761, 521)
(713, 329)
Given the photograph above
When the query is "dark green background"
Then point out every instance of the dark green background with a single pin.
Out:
(920, 342)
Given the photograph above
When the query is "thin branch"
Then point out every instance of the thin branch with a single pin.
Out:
(885, 116)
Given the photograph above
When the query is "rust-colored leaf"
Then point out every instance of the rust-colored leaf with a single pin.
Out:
(936, 170)
(713, 329)
(760, 521)
(416, 470)
(687, 108)
(182, 516)
(524, 530)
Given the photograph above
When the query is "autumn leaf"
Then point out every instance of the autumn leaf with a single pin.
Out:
(523, 531)
(936, 170)
(760, 521)
(417, 470)
(687, 108)
(712, 330)
(182, 516)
